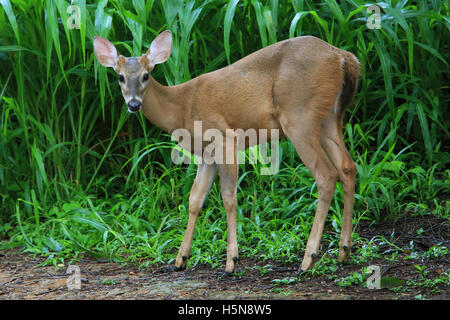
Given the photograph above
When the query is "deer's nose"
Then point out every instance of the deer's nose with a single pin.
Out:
(134, 105)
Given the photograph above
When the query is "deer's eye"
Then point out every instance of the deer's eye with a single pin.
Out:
(145, 76)
(121, 78)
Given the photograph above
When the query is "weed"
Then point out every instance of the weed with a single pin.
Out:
(355, 278)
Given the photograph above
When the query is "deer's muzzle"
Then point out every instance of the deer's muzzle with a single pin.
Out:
(134, 105)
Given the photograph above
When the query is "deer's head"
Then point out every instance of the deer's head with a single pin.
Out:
(134, 72)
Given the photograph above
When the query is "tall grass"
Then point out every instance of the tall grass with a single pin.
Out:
(78, 174)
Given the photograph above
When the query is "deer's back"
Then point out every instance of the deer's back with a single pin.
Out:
(251, 92)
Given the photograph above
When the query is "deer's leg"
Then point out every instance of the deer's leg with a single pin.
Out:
(206, 174)
(333, 144)
(305, 135)
(228, 173)
(228, 183)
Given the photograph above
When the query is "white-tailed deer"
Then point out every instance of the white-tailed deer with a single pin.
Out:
(300, 86)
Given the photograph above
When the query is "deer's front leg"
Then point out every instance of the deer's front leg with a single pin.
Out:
(228, 173)
(206, 174)
(228, 184)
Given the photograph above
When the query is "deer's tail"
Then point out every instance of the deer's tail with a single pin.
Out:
(352, 71)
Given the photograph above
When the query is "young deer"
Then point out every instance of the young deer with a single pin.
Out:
(300, 86)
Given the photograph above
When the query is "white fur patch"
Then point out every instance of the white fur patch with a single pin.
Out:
(336, 102)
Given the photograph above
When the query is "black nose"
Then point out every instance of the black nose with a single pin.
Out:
(134, 105)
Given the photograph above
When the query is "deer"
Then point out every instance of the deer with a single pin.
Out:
(300, 86)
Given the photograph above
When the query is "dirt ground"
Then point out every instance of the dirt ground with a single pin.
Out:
(22, 278)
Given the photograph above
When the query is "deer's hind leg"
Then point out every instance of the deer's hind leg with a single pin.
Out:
(333, 143)
(303, 129)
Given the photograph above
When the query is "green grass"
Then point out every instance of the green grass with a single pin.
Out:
(78, 174)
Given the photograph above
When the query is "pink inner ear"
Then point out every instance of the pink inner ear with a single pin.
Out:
(105, 52)
(106, 59)
(161, 48)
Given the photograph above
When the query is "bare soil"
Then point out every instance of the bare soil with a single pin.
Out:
(22, 278)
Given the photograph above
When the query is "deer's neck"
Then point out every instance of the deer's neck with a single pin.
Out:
(162, 106)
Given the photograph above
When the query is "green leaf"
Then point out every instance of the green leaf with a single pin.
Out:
(231, 8)
(425, 131)
(6, 4)
(260, 21)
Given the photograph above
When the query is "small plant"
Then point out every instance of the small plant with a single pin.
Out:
(355, 278)
(443, 279)
(281, 291)
(393, 258)
(264, 270)
(413, 254)
(284, 281)
(435, 252)
(421, 270)
(109, 282)
(367, 252)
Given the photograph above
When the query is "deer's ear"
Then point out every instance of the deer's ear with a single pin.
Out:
(105, 52)
(160, 48)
